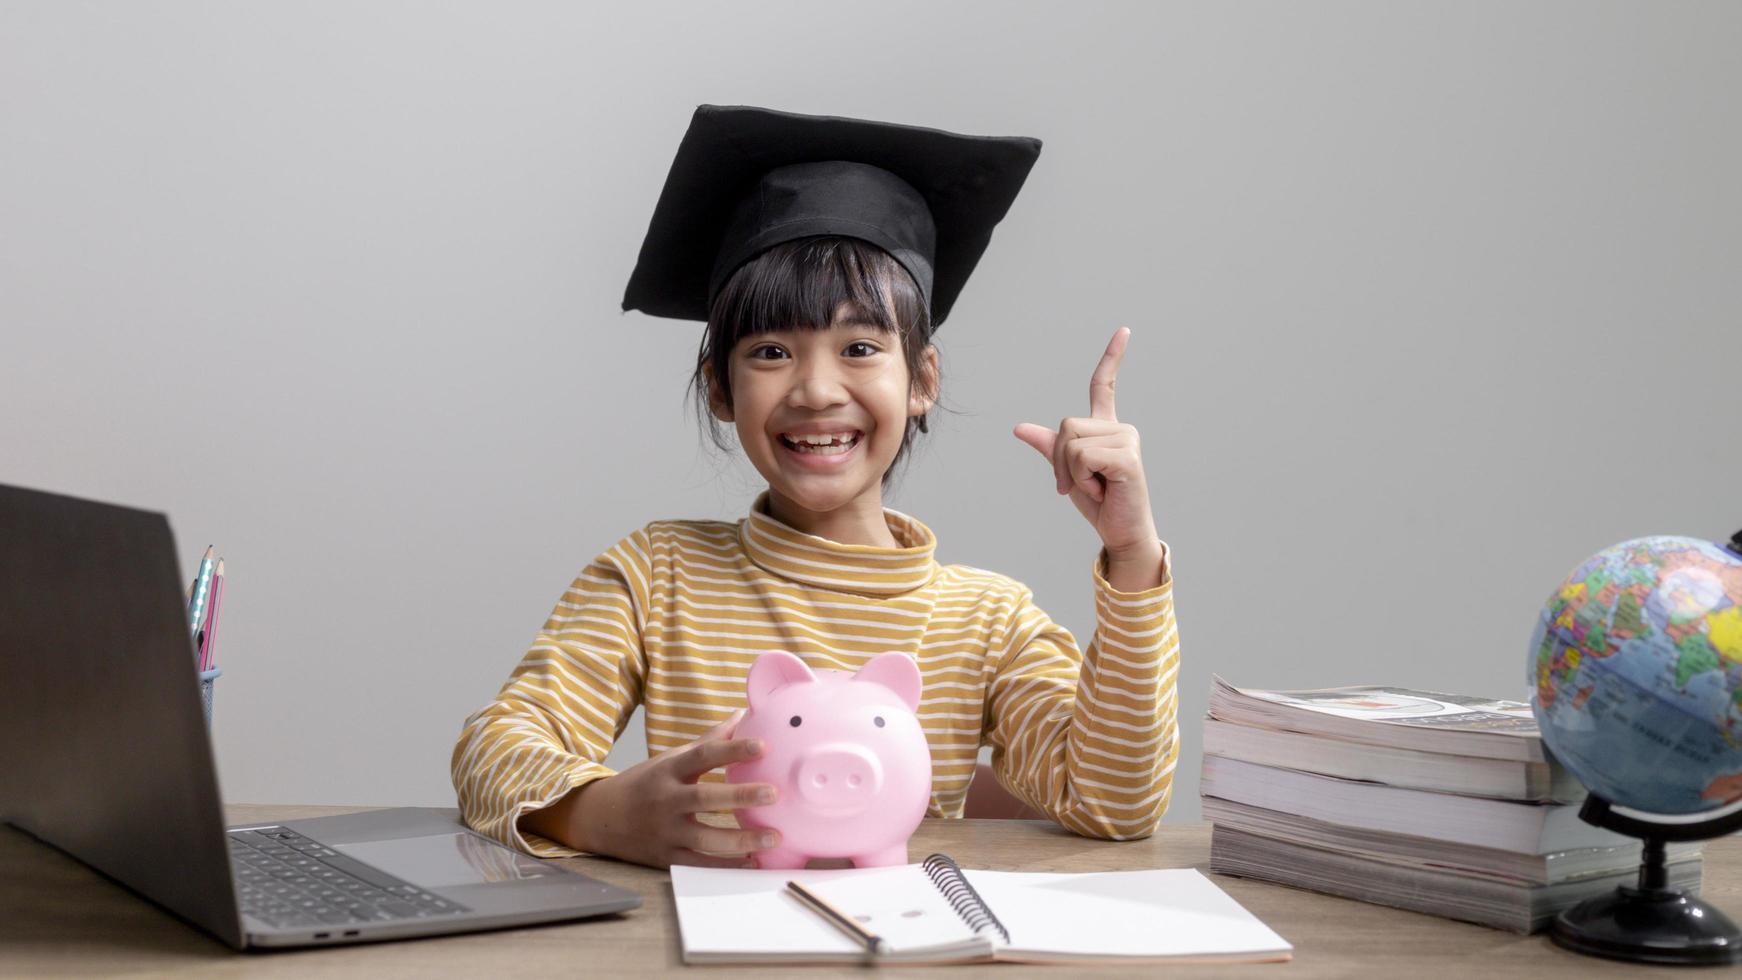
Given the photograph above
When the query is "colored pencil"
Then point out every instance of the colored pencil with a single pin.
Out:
(209, 641)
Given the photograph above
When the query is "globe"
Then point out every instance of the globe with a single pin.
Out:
(1636, 674)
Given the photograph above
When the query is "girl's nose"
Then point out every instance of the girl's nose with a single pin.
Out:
(816, 392)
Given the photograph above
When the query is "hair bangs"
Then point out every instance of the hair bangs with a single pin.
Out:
(812, 284)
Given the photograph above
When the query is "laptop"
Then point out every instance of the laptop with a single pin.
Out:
(105, 754)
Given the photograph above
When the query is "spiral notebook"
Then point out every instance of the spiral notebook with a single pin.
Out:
(938, 912)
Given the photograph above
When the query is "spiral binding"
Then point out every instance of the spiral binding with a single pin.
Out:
(947, 875)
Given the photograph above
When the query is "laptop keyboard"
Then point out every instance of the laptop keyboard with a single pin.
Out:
(288, 880)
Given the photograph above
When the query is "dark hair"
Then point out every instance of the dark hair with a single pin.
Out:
(811, 284)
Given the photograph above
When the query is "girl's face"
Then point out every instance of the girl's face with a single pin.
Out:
(849, 381)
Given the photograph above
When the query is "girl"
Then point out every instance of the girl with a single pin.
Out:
(823, 252)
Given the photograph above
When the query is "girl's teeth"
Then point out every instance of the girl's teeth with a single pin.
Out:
(821, 450)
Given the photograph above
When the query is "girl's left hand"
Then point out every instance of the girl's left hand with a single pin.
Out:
(1096, 459)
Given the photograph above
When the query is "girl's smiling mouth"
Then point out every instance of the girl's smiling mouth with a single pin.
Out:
(822, 450)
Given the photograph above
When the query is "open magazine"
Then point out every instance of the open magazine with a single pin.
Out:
(1424, 720)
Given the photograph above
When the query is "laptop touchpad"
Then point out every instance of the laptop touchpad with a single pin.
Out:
(446, 859)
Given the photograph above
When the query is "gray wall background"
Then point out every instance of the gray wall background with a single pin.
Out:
(1428, 300)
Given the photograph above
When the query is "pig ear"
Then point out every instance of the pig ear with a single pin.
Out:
(776, 669)
(896, 671)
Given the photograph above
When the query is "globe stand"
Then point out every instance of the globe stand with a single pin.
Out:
(1652, 923)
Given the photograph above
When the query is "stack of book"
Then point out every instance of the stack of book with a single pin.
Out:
(1437, 803)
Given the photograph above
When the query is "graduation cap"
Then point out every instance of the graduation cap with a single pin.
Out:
(747, 178)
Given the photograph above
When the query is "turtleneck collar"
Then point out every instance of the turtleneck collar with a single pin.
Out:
(858, 568)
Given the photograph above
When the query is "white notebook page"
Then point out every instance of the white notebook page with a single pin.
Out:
(1166, 912)
(907, 911)
(731, 912)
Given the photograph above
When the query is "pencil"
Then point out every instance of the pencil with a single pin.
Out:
(209, 640)
(873, 943)
(205, 624)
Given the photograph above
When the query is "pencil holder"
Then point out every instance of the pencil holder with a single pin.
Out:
(206, 679)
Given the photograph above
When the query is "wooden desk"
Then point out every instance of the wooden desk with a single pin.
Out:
(59, 917)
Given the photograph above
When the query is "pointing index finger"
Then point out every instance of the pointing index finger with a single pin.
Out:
(1101, 383)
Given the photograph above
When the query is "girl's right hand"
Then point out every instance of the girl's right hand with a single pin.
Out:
(647, 813)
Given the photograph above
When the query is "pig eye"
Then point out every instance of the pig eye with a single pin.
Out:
(878, 721)
(796, 721)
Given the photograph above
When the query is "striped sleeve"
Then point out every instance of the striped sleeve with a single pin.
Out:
(1091, 739)
(564, 704)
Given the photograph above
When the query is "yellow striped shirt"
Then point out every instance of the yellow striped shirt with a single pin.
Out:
(672, 616)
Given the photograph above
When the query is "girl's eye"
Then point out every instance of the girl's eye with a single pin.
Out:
(757, 353)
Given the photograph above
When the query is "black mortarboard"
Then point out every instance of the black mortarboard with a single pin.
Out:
(747, 178)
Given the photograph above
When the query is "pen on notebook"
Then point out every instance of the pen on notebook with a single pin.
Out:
(872, 942)
(209, 639)
(202, 589)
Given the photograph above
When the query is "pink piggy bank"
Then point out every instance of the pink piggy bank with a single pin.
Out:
(846, 753)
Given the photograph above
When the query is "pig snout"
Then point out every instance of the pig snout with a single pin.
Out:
(839, 777)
